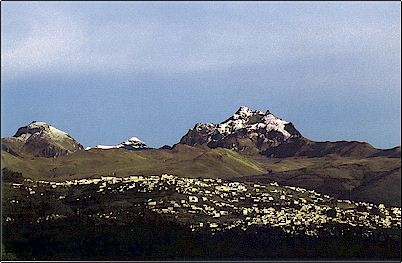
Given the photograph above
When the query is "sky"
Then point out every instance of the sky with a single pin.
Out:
(106, 71)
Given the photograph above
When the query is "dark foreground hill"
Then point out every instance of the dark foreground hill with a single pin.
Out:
(157, 218)
(151, 238)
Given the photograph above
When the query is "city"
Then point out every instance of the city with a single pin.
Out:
(218, 205)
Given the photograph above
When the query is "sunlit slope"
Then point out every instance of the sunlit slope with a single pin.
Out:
(183, 160)
(374, 179)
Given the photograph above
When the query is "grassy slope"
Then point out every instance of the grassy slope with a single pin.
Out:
(375, 179)
(182, 161)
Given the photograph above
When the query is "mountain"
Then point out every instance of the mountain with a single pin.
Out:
(253, 131)
(308, 148)
(131, 144)
(246, 130)
(255, 146)
(345, 169)
(40, 139)
(393, 152)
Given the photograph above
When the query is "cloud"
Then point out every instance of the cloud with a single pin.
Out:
(53, 41)
(63, 41)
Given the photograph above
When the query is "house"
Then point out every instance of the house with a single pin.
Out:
(213, 225)
(224, 213)
(152, 203)
(216, 215)
(193, 199)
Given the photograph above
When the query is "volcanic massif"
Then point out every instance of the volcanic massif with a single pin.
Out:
(251, 146)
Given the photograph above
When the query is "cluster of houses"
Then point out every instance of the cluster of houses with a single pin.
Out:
(218, 205)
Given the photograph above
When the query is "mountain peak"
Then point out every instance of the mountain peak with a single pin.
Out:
(244, 111)
(31, 128)
(41, 139)
(134, 139)
(133, 143)
(35, 127)
(262, 129)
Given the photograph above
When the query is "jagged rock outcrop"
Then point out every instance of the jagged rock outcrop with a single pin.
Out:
(246, 130)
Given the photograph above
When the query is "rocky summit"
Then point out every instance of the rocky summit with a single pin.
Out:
(255, 132)
(246, 130)
(40, 139)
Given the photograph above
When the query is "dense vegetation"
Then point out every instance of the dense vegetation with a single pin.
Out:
(149, 236)
(11, 176)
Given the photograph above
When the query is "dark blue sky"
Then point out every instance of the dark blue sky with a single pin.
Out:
(104, 72)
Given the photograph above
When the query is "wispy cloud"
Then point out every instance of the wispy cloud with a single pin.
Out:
(52, 42)
(333, 63)
(60, 40)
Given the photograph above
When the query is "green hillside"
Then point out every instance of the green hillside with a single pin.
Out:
(183, 160)
(374, 179)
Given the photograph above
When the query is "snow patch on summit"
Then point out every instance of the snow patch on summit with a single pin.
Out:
(133, 140)
(133, 143)
(43, 140)
(242, 120)
(37, 127)
(105, 147)
(57, 134)
(263, 129)
(275, 124)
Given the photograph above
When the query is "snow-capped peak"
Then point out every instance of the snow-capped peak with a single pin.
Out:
(133, 143)
(36, 124)
(37, 127)
(262, 128)
(38, 138)
(275, 124)
(245, 126)
(134, 139)
(243, 112)
(245, 118)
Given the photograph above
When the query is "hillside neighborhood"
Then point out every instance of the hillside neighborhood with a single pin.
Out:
(216, 205)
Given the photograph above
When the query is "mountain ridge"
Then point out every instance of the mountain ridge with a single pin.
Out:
(256, 132)
(238, 150)
(247, 131)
